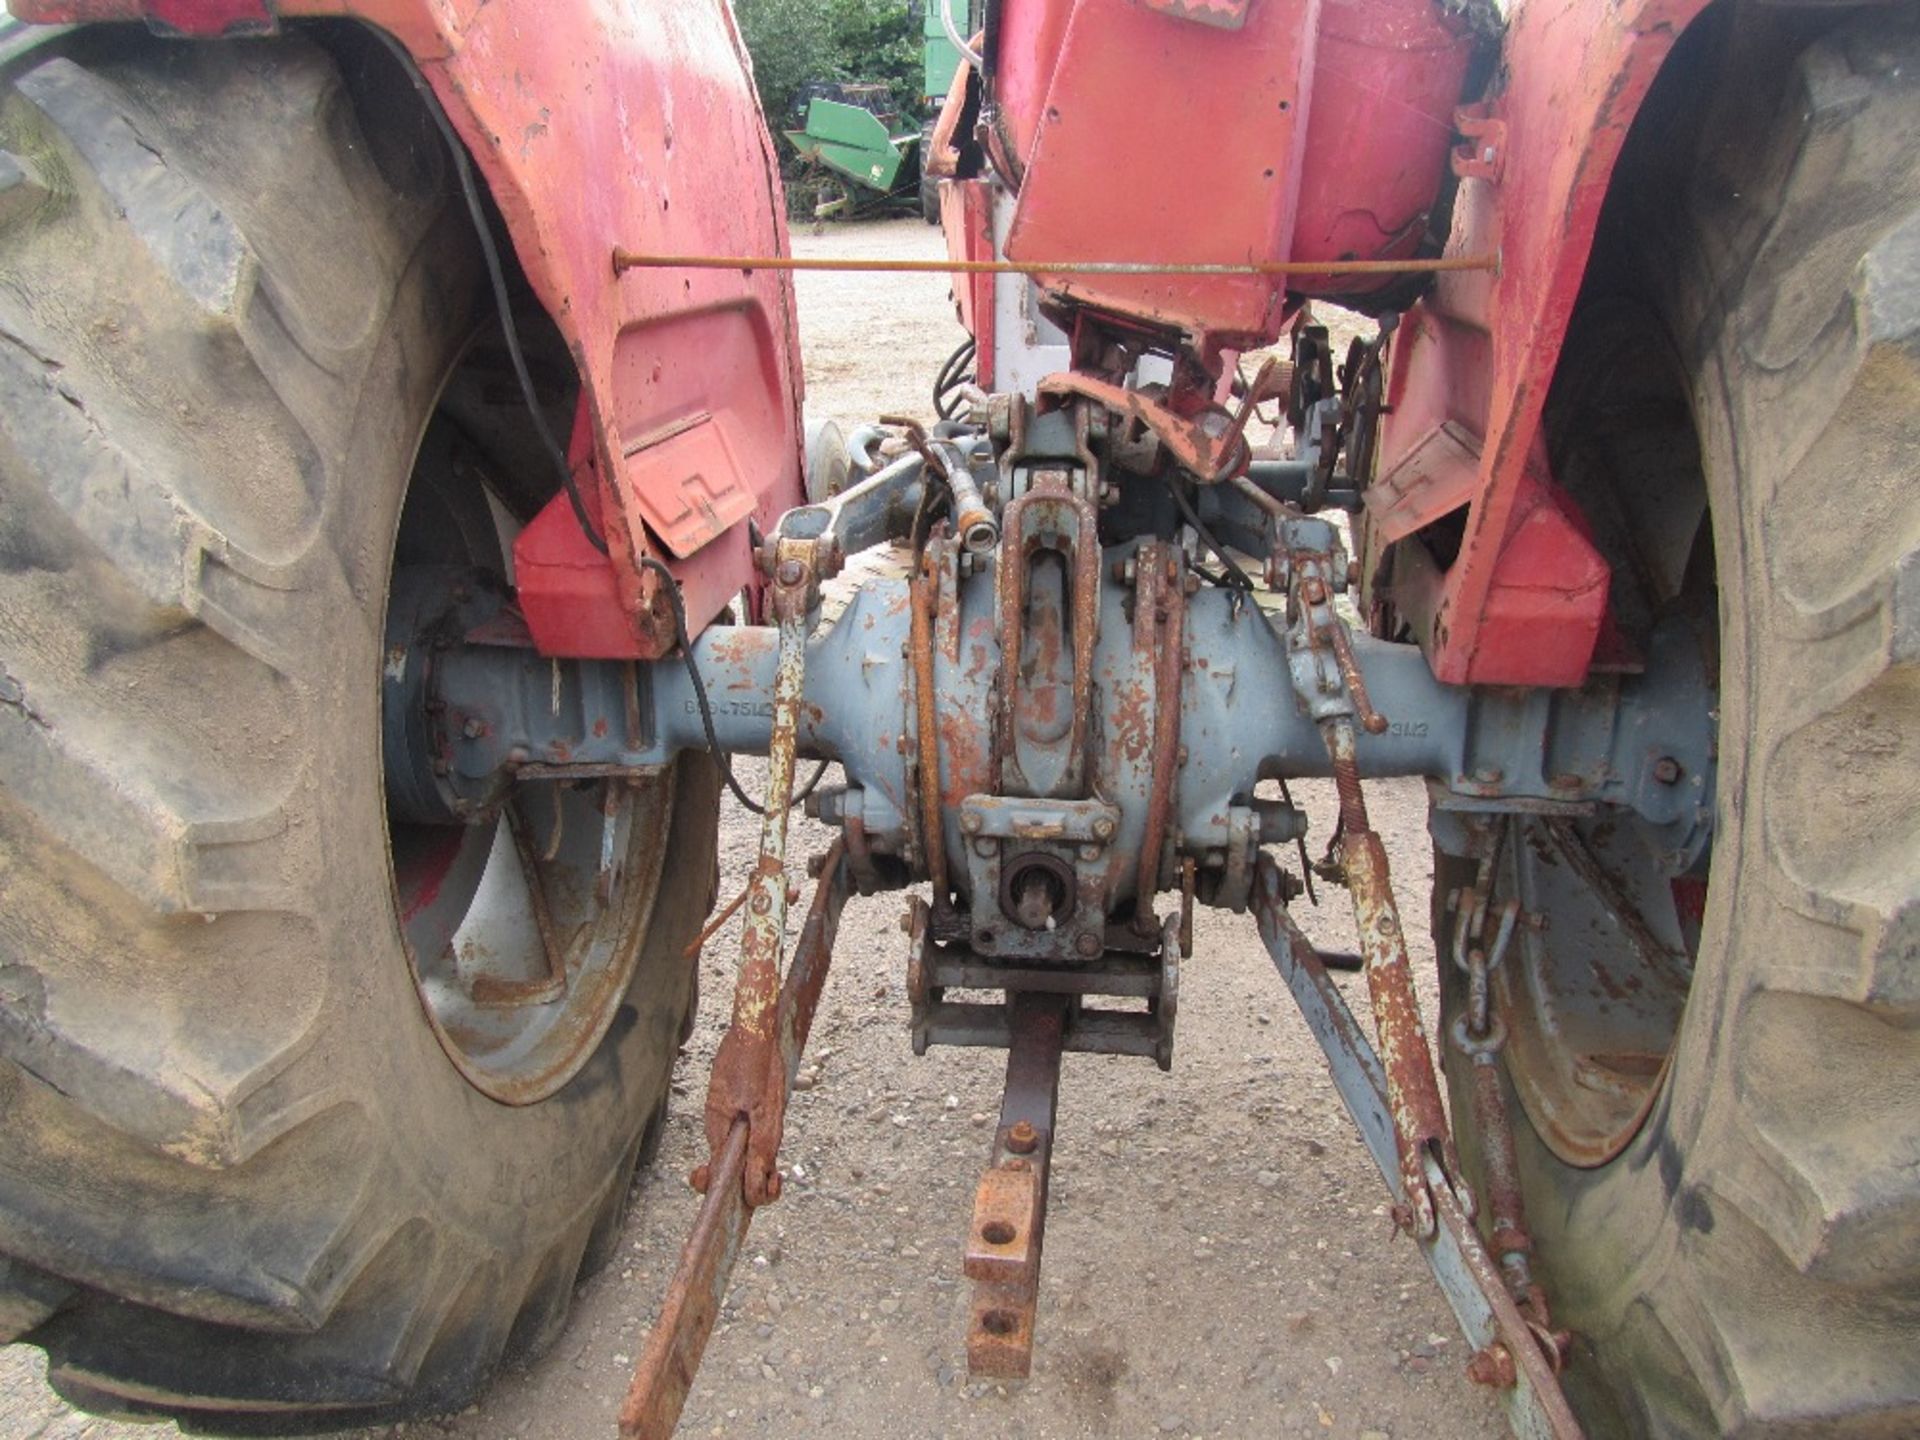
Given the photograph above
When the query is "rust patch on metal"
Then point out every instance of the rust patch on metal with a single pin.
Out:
(1159, 619)
(1413, 1092)
(1006, 1211)
(933, 845)
(1004, 1263)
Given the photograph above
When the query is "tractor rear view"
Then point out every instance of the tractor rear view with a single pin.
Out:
(403, 521)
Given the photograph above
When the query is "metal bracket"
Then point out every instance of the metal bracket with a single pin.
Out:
(1482, 153)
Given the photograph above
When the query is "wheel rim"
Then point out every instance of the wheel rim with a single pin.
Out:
(523, 931)
(1596, 978)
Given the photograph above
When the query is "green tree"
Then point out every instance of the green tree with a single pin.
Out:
(794, 42)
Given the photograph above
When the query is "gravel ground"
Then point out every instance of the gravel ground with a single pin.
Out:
(1219, 1258)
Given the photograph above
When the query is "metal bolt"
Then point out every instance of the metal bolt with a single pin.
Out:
(985, 849)
(699, 1177)
(1089, 852)
(1191, 584)
(1103, 827)
(761, 903)
(474, 728)
(1667, 770)
(1129, 571)
(1493, 1366)
(1089, 946)
(1489, 775)
(789, 572)
(971, 822)
(1022, 1138)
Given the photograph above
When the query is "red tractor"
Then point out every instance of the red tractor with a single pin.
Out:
(402, 521)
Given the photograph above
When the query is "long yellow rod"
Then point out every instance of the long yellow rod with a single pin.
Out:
(625, 260)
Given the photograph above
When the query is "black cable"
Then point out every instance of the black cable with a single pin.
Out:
(497, 275)
(1306, 865)
(671, 588)
(949, 377)
(1237, 576)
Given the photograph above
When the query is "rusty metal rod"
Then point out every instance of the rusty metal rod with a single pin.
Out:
(1413, 1091)
(663, 1375)
(625, 260)
(922, 600)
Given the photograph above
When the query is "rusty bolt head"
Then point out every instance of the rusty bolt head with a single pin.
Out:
(1103, 827)
(761, 902)
(699, 1177)
(789, 572)
(474, 728)
(1022, 1138)
(1489, 775)
(1191, 583)
(1089, 852)
(1667, 770)
(1492, 1366)
(1016, 1166)
(971, 822)
(1089, 945)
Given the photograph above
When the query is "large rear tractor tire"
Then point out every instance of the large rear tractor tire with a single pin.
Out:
(1714, 1070)
(271, 1157)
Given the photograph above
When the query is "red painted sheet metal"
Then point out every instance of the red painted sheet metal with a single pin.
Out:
(1576, 76)
(966, 218)
(1168, 140)
(1030, 32)
(1303, 129)
(1387, 76)
(599, 125)
(1547, 600)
